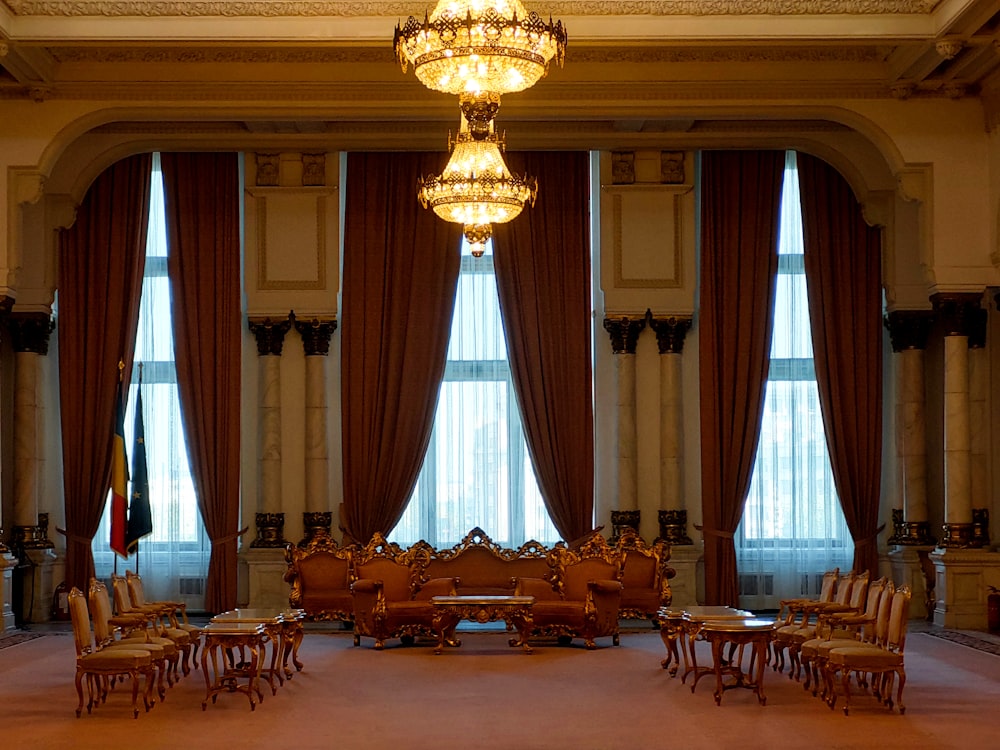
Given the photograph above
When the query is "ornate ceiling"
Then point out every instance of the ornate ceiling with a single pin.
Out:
(635, 66)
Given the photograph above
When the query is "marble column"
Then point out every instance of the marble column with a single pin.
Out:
(979, 429)
(317, 518)
(908, 332)
(270, 521)
(624, 332)
(957, 312)
(30, 334)
(7, 560)
(670, 334)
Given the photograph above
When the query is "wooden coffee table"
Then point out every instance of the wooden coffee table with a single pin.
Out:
(451, 610)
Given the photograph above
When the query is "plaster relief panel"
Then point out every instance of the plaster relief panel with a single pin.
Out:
(293, 231)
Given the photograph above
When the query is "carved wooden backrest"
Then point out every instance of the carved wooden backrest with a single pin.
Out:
(386, 561)
(481, 563)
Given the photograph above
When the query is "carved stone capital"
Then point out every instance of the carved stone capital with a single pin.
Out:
(270, 334)
(670, 333)
(624, 332)
(621, 520)
(317, 525)
(956, 311)
(909, 329)
(622, 167)
(316, 334)
(270, 530)
(673, 527)
(30, 332)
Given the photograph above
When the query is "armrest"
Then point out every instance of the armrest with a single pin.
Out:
(536, 587)
(604, 597)
(366, 586)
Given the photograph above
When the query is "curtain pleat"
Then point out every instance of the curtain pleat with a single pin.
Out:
(401, 265)
(740, 196)
(542, 261)
(101, 261)
(843, 273)
(202, 202)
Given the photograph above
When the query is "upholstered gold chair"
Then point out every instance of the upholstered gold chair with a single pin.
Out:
(583, 597)
(877, 665)
(175, 612)
(321, 573)
(854, 591)
(645, 576)
(842, 629)
(156, 618)
(794, 614)
(131, 631)
(389, 599)
(100, 666)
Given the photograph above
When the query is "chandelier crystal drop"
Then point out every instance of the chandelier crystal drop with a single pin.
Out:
(476, 46)
(476, 189)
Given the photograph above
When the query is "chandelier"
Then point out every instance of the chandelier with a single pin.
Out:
(476, 46)
(476, 189)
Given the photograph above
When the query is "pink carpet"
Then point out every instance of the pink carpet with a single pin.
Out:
(487, 695)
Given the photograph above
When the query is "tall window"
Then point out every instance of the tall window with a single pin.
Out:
(477, 471)
(792, 528)
(173, 560)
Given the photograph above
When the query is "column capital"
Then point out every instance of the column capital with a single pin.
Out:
(624, 332)
(316, 334)
(957, 311)
(30, 332)
(909, 329)
(670, 332)
(270, 334)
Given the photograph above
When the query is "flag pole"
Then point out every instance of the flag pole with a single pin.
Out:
(118, 396)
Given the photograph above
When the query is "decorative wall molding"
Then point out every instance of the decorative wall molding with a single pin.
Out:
(401, 9)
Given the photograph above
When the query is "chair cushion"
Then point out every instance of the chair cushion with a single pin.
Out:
(865, 658)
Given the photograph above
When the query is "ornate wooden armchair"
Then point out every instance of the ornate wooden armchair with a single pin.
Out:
(582, 598)
(321, 573)
(390, 600)
(645, 576)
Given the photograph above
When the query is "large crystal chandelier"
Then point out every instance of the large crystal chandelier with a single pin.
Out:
(476, 189)
(476, 46)
(478, 50)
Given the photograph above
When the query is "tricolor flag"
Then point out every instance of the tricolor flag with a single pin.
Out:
(119, 483)
(140, 517)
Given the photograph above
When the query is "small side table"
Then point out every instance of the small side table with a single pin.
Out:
(223, 637)
(738, 634)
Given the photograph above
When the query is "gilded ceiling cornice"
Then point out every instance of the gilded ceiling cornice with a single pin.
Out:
(353, 9)
(383, 54)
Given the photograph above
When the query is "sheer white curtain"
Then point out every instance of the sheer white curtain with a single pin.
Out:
(173, 560)
(792, 528)
(477, 471)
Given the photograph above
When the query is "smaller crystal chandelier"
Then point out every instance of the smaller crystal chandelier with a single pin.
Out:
(476, 46)
(476, 189)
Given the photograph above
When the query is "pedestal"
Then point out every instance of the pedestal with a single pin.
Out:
(911, 565)
(684, 585)
(7, 563)
(265, 571)
(37, 586)
(963, 578)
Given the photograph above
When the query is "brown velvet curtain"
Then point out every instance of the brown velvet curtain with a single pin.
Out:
(202, 199)
(401, 265)
(740, 197)
(843, 257)
(542, 261)
(101, 262)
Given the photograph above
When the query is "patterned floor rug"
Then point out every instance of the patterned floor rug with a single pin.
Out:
(966, 639)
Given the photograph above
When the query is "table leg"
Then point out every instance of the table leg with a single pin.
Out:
(522, 622)
(669, 633)
(444, 624)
